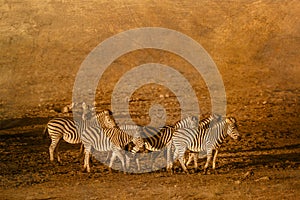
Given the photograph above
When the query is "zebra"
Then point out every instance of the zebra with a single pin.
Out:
(106, 140)
(204, 124)
(136, 131)
(206, 140)
(156, 139)
(68, 130)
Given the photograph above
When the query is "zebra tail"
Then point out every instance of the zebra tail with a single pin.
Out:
(45, 133)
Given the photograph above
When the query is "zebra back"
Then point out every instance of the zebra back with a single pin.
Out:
(133, 130)
(188, 122)
(121, 139)
(63, 127)
(93, 137)
(159, 140)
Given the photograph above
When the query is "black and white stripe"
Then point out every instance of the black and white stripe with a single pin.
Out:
(197, 140)
(158, 139)
(106, 140)
(109, 139)
(68, 130)
(204, 124)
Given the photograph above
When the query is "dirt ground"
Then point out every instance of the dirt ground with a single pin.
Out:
(255, 45)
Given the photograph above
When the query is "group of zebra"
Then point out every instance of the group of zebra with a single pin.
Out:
(101, 133)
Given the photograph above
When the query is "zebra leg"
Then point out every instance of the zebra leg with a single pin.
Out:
(137, 160)
(214, 161)
(169, 158)
(121, 157)
(209, 156)
(193, 157)
(56, 152)
(81, 150)
(127, 161)
(51, 151)
(153, 157)
(196, 161)
(190, 159)
(181, 156)
(86, 165)
(109, 154)
(179, 153)
(112, 159)
(52, 147)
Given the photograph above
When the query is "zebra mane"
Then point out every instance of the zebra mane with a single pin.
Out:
(210, 121)
(223, 121)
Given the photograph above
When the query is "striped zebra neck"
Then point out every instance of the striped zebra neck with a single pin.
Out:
(101, 121)
(218, 133)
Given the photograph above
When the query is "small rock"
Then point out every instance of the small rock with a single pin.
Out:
(238, 182)
(265, 178)
(65, 109)
(248, 174)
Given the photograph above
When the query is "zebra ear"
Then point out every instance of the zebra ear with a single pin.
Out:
(84, 106)
(93, 109)
(108, 112)
(231, 120)
(216, 116)
(195, 119)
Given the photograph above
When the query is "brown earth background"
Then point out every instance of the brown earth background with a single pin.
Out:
(255, 45)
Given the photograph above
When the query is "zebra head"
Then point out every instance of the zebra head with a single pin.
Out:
(188, 122)
(85, 111)
(139, 145)
(106, 119)
(232, 128)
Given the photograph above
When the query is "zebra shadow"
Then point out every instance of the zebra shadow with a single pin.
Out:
(226, 164)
